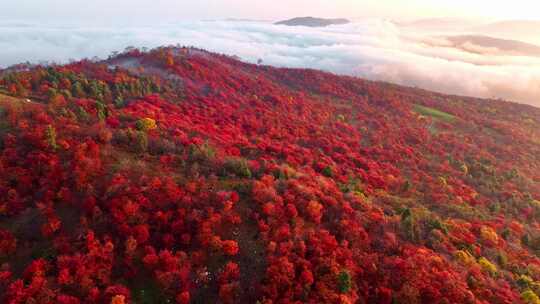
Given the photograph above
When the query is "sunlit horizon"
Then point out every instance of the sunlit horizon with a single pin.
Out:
(144, 11)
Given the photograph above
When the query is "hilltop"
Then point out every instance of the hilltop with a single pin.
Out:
(182, 176)
(312, 22)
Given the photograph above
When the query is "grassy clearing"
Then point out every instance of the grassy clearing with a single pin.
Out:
(434, 113)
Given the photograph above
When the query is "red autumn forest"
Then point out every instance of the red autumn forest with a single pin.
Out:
(176, 175)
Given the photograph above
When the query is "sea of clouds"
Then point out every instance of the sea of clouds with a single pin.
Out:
(374, 48)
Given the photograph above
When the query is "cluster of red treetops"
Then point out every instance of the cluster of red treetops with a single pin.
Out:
(180, 176)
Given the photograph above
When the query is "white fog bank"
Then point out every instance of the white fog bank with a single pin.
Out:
(374, 49)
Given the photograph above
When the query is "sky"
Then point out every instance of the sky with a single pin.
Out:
(145, 11)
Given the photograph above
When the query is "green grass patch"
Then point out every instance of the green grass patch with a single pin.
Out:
(434, 113)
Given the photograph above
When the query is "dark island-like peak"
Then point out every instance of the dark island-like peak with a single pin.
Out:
(312, 22)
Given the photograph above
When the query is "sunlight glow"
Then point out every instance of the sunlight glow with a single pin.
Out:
(269, 9)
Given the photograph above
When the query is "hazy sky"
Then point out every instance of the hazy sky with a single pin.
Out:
(148, 11)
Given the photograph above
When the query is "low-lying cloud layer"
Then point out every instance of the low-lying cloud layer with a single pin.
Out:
(374, 49)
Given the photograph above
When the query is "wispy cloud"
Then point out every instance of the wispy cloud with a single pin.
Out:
(374, 49)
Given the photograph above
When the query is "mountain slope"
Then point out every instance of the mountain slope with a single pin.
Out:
(522, 30)
(184, 176)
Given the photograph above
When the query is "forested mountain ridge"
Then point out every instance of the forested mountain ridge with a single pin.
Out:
(181, 176)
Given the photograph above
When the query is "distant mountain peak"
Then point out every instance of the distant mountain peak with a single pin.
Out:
(486, 45)
(312, 21)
